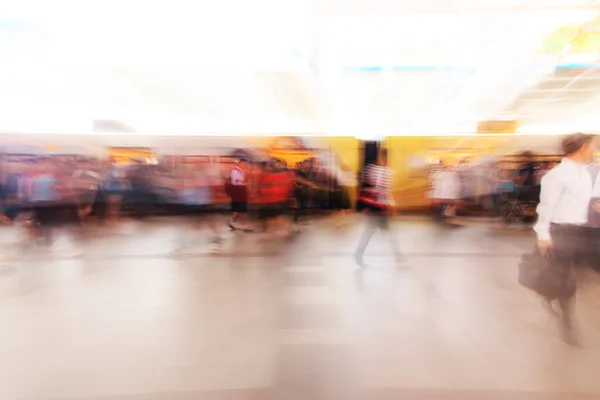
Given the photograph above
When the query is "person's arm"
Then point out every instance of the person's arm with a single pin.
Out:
(551, 191)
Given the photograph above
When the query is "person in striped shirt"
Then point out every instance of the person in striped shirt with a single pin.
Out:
(378, 203)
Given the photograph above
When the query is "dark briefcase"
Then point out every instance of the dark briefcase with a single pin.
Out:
(544, 276)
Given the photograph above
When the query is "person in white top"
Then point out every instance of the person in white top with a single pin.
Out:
(446, 191)
(566, 193)
(566, 189)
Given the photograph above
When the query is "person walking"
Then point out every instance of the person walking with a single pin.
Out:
(239, 194)
(115, 185)
(446, 192)
(197, 196)
(378, 204)
(563, 211)
(303, 189)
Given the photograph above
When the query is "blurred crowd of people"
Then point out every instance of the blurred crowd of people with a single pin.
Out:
(265, 196)
(43, 193)
(492, 188)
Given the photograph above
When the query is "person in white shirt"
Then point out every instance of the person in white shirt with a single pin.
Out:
(566, 193)
(446, 191)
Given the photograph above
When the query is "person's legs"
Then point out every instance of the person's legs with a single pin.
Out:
(62, 230)
(301, 207)
(47, 233)
(285, 225)
(239, 220)
(243, 220)
(567, 242)
(270, 223)
(33, 227)
(211, 222)
(281, 221)
(83, 210)
(497, 203)
(263, 219)
(233, 219)
(139, 210)
(44, 219)
(186, 236)
(240, 211)
(384, 224)
(567, 307)
(436, 210)
(370, 228)
(113, 207)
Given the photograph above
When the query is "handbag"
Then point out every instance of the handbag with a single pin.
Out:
(543, 275)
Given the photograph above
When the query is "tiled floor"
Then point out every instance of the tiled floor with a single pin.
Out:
(286, 320)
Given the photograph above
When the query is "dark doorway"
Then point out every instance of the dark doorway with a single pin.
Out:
(369, 152)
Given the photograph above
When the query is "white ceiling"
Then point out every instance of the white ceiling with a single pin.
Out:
(291, 66)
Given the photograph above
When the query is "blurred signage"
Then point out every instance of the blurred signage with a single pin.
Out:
(497, 127)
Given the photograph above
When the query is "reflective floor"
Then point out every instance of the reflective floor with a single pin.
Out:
(274, 319)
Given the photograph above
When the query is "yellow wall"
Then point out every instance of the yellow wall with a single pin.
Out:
(346, 148)
(410, 189)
